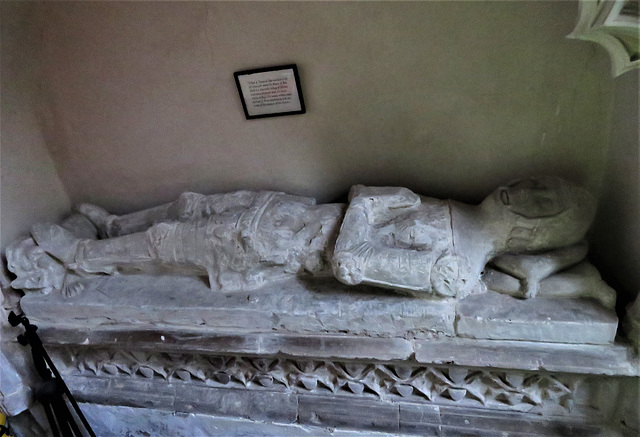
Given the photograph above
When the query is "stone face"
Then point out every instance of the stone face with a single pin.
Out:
(108, 420)
(339, 387)
(254, 405)
(606, 359)
(234, 384)
(359, 415)
(467, 421)
(348, 347)
(497, 316)
(358, 412)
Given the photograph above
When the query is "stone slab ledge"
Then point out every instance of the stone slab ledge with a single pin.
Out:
(320, 307)
(291, 412)
(612, 360)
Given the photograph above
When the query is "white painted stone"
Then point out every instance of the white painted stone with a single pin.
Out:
(118, 421)
(498, 316)
(274, 252)
(389, 237)
(530, 269)
(605, 359)
(289, 306)
(17, 373)
(580, 281)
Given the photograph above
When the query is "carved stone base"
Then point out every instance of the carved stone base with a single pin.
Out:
(307, 356)
(395, 397)
(441, 387)
(97, 369)
(292, 306)
(120, 421)
(321, 307)
(501, 317)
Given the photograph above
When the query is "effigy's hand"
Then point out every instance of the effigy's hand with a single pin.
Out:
(190, 206)
(73, 288)
(449, 275)
(348, 267)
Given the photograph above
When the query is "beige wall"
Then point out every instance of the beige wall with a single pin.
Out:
(447, 98)
(30, 189)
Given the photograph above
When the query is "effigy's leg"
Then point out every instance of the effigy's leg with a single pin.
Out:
(188, 207)
(94, 256)
(110, 225)
(578, 282)
(129, 252)
(533, 268)
(55, 259)
(137, 252)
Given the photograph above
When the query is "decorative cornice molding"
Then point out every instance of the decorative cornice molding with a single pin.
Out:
(484, 388)
(615, 26)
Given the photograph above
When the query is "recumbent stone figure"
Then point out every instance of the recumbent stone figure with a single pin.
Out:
(387, 237)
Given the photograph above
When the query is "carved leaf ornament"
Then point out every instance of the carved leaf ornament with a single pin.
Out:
(510, 390)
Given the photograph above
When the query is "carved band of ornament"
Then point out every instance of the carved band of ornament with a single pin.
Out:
(416, 383)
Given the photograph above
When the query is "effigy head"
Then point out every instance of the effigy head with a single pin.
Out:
(35, 270)
(542, 213)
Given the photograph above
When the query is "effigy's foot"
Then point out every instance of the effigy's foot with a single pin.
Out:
(56, 241)
(34, 269)
(100, 217)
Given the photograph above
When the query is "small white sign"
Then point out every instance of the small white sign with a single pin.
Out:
(270, 91)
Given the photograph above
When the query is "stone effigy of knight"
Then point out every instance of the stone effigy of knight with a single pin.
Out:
(520, 235)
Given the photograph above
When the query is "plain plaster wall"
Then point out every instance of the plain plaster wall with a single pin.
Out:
(30, 189)
(447, 98)
(616, 231)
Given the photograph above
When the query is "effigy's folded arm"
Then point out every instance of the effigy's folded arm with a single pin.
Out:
(361, 258)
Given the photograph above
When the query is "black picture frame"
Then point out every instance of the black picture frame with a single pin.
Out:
(270, 105)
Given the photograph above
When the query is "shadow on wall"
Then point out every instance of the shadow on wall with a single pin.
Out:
(616, 232)
(455, 118)
(143, 104)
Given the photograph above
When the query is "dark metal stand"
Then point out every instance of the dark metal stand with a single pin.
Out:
(50, 393)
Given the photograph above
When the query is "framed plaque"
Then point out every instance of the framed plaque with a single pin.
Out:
(270, 92)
